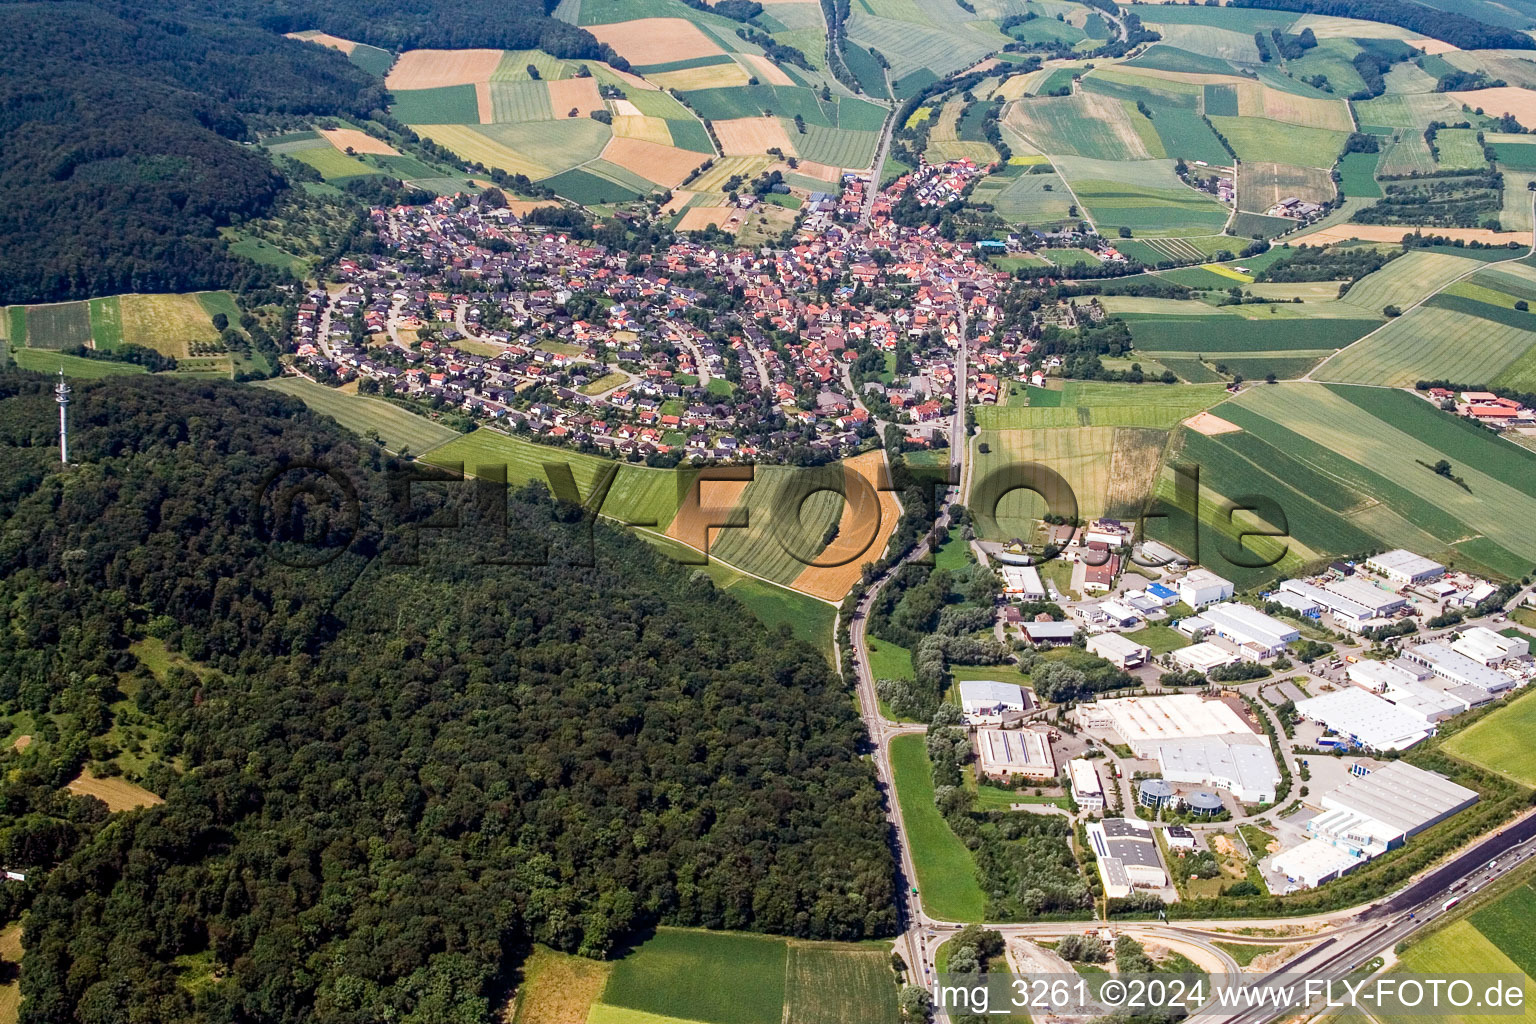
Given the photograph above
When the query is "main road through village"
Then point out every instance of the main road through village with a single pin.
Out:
(1329, 945)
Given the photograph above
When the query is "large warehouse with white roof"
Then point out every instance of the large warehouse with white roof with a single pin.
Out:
(1366, 719)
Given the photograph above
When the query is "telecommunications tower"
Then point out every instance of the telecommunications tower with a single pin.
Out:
(61, 395)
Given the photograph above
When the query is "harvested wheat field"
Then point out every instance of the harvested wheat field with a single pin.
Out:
(1506, 99)
(1394, 233)
(647, 129)
(656, 40)
(1310, 111)
(708, 501)
(485, 103)
(1210, 425)
(117, 794)
(624, 108)
(712, 76)
(574, 93)
(868, 519)
(431, 69)
(325, 39)
(665, 165)
(358, 142)
(812, 169)
(1435, 46)
(701, 217)
(680, 198)
(523, 207)
(765, 70)
(748, 136)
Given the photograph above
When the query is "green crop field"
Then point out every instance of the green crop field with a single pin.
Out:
(827, 984)
(1358, 174)
(1459, 149)
(173, 323)
(1501, 742)
(1256, 139)
(638, 495)
(333, 164)
(1233, 334)
(1161, 211)
(521, 101)
(79, 367)
(1371, 442)
(397, 427)
(589, 189)
(371, 59)
(1039, 200)
(1507, 924)
(836, 147)
(785, 523)
(1170, 58)
(1405, 280)
(887, 661)
(107, 323)
(946, 872)
(59, 325)
(719, 977)
(449, 104)
(701, 977)
(1430, 343)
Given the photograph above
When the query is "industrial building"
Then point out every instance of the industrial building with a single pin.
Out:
(1049, 632)
(1314, 863)
(1373, 813)
(1245, 769)
(1409, 684)
(1006, 752)
(1257, 636)
(1203, 657)
(1352, 601)
(1366, 720)
(1404, 567)
(1087, 790)
(1144, 723)
(1127, 856)
(987, 698)
(1119, 651)
(1154, 794)
(1458, 669)
(1022, 583)
(1201, 587)
(1484, 645)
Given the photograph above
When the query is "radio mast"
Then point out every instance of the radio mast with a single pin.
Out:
(61, 395)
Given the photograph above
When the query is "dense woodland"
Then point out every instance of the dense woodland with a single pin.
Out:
(121, 121)
(1458, 29)
(386, 776)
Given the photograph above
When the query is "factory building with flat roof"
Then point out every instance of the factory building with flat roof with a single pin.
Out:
(1127, 856)
(1119, 651)
(1246, 769)
(1003, 753)
(1404, 567)
(1255, 635)
(1379, 811)
(1145, 722)
(988, 698)
(1365, 719)
(1458, 668)
(1087, 789)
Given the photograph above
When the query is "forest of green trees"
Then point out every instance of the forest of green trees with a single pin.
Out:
(387, 776)
(121, 124)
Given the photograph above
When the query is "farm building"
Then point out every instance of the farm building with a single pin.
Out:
(1314, 863)
(1257, 636)
(1127, 856)
(1201, 587)
(1087, 790)
(1458, 669)
(1244, 768)
(1404, 567)
(1483, 645)
(1146, 722)
(987, 698)
(1366, 719)
(1203, 657)
(1004, 752)
(1373, 813)
(1118, 650)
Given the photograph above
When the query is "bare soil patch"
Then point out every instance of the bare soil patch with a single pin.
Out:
(1395, 233)
(749, 136)
(574, 93)
(358, 141)
(868, 519)
(665, 165)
